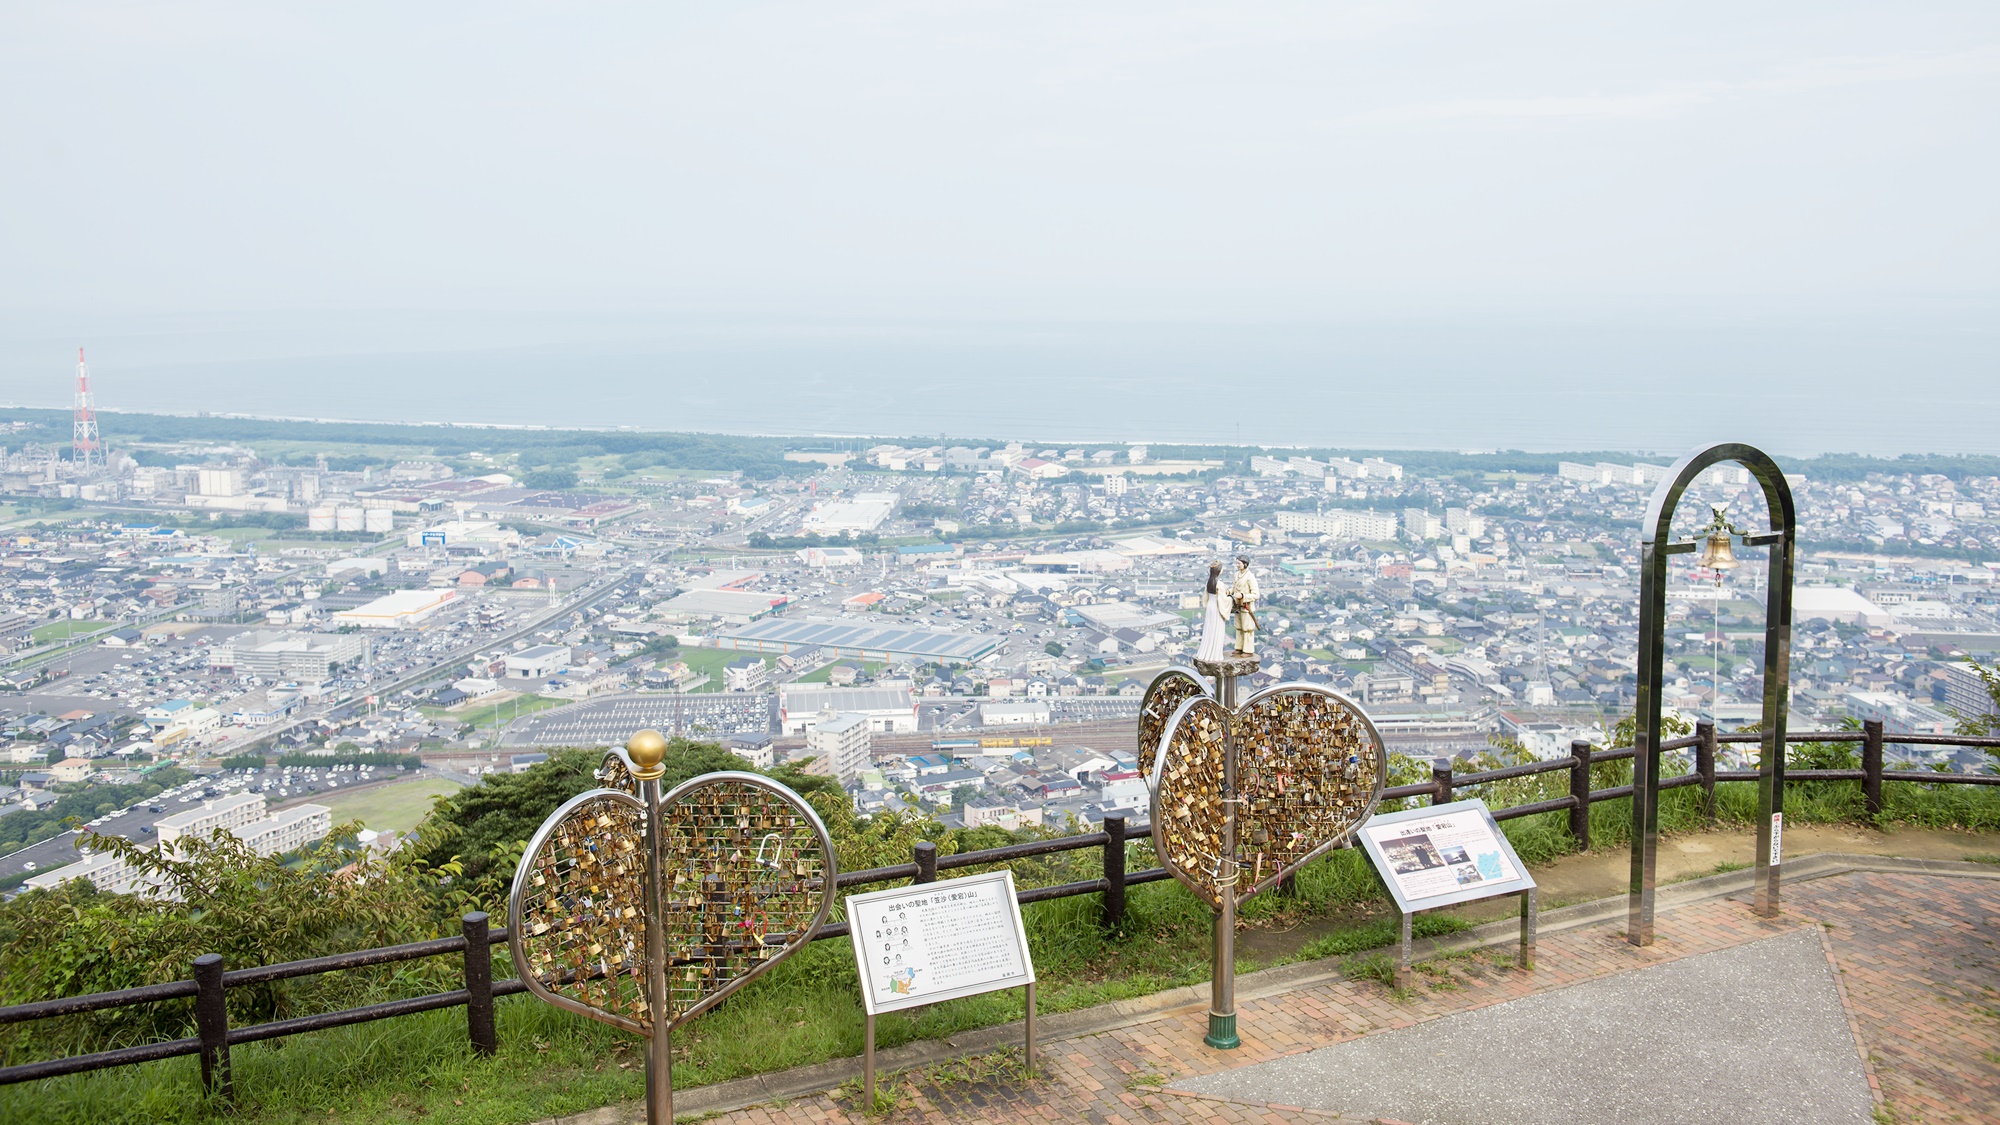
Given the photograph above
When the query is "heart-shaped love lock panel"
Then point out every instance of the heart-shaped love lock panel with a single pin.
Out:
(1310, 767)
(747, 878)
(1164, 696)
(615, 772)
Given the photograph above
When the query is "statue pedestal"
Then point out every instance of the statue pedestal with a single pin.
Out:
(1230, 665)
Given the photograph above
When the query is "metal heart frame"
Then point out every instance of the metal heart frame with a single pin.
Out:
(683, 840)
(625, 899)
(615, 772)
(1209, 779)
(1164, 696)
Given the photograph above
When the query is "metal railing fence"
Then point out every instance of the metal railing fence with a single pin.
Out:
(210, 981)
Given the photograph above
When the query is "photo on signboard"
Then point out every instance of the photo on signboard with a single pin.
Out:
(1467, 874)
(1454, 854)
(1411, 853)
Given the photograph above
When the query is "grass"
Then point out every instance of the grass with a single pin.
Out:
(552, 1063)
(710, 661)
(395, 807)
(64, 630)
(496, 715)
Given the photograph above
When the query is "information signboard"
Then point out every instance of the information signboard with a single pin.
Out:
(938, 941)
(1443, 854)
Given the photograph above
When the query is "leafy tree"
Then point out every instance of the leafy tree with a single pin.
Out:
(1981, 725)
(557, 479)
(1053, 648)
(223, 898)
(486, 826)
(19, 829)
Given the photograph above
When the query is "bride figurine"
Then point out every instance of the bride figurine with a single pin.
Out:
(1214, 627)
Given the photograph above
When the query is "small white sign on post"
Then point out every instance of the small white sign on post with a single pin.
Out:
(929, 942)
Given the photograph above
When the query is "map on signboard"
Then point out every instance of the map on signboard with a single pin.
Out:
(1442, 854)
(938, 941)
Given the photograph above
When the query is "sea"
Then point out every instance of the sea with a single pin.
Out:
(1797, 381)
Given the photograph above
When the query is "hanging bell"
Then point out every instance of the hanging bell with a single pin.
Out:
(1718, 555)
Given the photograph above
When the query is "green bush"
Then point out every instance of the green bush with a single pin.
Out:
(219, 898)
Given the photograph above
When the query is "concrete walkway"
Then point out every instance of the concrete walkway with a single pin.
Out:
(1754, 1033)
(1877, 990)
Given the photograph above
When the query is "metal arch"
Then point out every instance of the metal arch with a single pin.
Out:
(830, 879)
(1655, 549)
(515, 930)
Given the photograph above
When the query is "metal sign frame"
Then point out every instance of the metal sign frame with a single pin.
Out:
(871, 1007)
(1655, 549)
(1523, 884)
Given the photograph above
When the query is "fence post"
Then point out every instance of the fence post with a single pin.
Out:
(479, 985)
(211, 1019)
(1704, 764)
(926, 856)
(1440, 781)
(1114, 871)
(1579, 787)
(1871, 766)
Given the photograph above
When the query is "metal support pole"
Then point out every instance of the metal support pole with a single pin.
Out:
(479, 985)
(1528, 907)
(1401, 973)
(1704, 764)
(1114, 872)
(1222, 970)
(1028, 1060)
(1440, 781)
(925, 854)
(1579, 788)
(211, 1019)
(659, 1046)
(868, 1065)
(1871, 766)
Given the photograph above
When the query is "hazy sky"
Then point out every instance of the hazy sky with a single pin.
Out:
(1815, 162)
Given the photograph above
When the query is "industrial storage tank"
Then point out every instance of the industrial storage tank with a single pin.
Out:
(379, 520)
(319, 517)
(347, 519)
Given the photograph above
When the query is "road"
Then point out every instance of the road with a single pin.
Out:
(430, 671)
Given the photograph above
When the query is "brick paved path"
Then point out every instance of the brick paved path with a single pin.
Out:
(1918, 958)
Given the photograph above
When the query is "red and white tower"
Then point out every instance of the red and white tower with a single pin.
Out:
(86, 450)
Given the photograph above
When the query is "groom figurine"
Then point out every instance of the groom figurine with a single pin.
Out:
(1243, 595)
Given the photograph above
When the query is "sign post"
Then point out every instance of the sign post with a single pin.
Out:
(1442, 855)
(928, 942)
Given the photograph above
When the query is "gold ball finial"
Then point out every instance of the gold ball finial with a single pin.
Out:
(647, 749)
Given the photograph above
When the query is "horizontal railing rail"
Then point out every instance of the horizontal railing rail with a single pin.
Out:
(209, 985)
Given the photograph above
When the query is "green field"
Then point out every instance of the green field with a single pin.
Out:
(824, 675)
(64, 630)
(395, 807)
(711, 661)
(499, 713)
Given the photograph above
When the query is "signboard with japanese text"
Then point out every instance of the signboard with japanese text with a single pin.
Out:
(938, 941)
(1443, 854)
